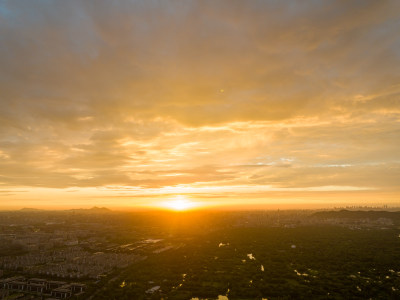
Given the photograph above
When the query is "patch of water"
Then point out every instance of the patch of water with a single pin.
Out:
(251, 256)
(153, 289)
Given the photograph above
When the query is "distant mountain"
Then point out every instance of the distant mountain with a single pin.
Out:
(100, 209)
(29, 209)
(93, 210)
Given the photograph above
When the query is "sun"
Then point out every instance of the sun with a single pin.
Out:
(179, 203)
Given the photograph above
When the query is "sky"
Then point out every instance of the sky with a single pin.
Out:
(246, 104)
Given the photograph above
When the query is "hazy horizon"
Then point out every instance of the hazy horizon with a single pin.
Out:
(220, 208)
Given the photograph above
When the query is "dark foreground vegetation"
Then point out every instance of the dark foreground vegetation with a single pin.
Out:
(304, 262)
(206, 255)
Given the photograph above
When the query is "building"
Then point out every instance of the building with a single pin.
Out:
(35, 286)
(62, 292)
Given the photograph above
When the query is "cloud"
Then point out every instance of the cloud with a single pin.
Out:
(156, 94)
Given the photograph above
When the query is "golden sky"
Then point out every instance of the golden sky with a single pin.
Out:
(248, 103)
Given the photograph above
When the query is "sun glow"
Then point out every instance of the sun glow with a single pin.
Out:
(179, 203)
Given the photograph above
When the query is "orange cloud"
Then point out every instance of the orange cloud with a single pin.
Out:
(160, 95)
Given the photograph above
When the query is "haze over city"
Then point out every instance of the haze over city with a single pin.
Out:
(198, 104)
